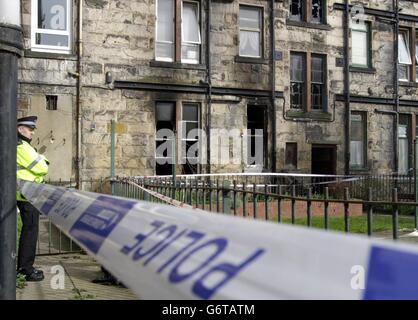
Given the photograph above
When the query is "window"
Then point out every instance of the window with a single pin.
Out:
(178, 39)
(318, 82)
(358, 140)
(51, 103)
(190, 139)
(404, 56)
(296, 10)
(165, 116)
(312, 11)
(297, 80)
(291, 155)
(250, 31)
(305, 84)
(360, 44)
(51, 26)
(404, 143)
(256, 127)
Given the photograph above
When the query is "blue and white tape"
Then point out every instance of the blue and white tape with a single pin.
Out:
(163, 252)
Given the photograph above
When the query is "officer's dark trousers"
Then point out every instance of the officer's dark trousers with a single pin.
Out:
(28, 237)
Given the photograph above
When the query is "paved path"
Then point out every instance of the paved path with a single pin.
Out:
(80, 271)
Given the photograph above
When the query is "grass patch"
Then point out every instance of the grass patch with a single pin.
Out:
(20, 281)
(358, 224)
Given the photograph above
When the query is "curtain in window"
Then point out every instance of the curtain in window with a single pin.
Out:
(190, 31)
(250, 27)
(404, 54)
(403, 156)
(249, 43)
(165, 29)
(359, 48)
(356, 153)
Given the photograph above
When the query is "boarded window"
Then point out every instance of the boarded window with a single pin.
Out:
(291, 155)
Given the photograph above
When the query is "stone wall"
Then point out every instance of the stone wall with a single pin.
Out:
(119, 38)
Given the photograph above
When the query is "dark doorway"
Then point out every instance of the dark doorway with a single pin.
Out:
(324, 159)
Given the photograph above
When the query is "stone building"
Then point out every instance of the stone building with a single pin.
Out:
(216, 64)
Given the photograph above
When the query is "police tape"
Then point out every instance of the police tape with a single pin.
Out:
(160, 196)
(163, 252)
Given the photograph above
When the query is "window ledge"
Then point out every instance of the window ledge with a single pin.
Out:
(362, 69)
(408, 84)
(359, 170)
(240, 59)
(176, 65)
(311, 115)
(310, 25)
(49, 55)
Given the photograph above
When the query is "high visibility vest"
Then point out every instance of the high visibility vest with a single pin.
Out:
(31, 166)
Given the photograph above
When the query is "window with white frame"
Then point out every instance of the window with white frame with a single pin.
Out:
(51, 26)
(190, 45)
(404, 56)
(178, 39)
(250, 31)
(360, 44)
(164, 47)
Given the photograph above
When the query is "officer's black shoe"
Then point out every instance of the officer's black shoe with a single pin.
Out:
(35, 276)
(38, 271)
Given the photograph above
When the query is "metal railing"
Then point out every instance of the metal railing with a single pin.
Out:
(266, 199)
(51, 240)
(358, 185)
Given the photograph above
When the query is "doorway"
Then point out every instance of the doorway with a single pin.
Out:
(324, 159)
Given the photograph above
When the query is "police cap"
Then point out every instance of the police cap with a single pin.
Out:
(29, 121)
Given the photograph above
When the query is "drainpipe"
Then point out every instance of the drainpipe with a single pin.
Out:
(209, 82)
(273, 85)
(395, 4)
(78, 93)
(347, 86)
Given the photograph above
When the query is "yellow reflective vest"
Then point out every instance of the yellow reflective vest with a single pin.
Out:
(31, 166)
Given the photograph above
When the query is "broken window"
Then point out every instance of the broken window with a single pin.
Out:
(291, 155)
(357, 140)
(250, 36)
(297, 80)
(404, 56)
(317, 82)
(255, 134)
(51, 26)
(165, 116)
(296, 10)
(51, 103)
(312, 11)
(317, 11)
(190, 138)
(178, 38)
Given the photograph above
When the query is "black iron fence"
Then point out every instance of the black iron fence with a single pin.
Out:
(51, 240)
(267, 199)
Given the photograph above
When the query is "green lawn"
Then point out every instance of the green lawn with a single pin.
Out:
(358, 224)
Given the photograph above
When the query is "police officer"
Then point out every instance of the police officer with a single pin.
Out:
(31, 166)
